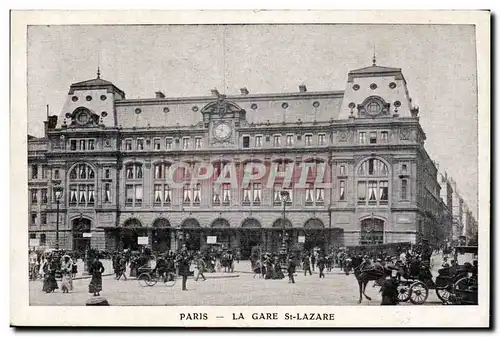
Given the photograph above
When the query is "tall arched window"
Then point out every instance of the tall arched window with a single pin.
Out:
(82, 186)
(133, 187)
(373, 182)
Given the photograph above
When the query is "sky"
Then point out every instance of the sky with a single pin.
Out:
(438, 62)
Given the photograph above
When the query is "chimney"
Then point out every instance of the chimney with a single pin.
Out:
(244, 91)
(302, 88)
(215, 92)
(50, 123)
(159, 94)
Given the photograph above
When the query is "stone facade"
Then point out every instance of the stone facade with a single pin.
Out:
(111, 155)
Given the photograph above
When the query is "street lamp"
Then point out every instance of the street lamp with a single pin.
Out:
(58, 191)
(284, 197)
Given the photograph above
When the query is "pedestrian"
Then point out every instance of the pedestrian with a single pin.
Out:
(201, 268)
(306, 265)
(96, 269)
(122, 267)
(49, 282)
(313, 259)
(184, 263)
(321, 266)
(66, 271)
(291, 270)
(389, 291)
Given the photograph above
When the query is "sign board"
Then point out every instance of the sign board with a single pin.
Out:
(211, 239)
(87, 235)
(302, 239)
(34, 242)
(142, 240)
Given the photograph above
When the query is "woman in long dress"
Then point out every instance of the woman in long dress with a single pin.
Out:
(96, 269)
(66, 271)
(49, 282)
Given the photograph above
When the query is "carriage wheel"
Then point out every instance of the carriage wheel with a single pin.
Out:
(463, 286)
(144, 279)
(403, 292)
(418, 293)
(444, 295)
(170, 279)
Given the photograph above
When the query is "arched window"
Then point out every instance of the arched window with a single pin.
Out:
(133, 187)
(373, 182)
(82, 186)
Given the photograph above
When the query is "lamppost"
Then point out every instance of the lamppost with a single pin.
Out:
(58, 190)
(284, 197)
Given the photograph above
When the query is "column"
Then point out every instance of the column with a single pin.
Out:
(173, 240)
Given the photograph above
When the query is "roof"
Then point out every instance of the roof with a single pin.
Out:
(374, 70)
(95, 83)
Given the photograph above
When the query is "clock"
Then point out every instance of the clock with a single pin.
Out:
(82, 118)
(222, 131)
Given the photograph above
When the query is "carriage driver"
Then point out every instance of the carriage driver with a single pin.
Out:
(366, 264)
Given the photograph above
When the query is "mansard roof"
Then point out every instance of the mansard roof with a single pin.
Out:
(96, 83)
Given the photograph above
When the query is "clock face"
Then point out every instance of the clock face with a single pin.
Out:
(82, 118)
(222, 131)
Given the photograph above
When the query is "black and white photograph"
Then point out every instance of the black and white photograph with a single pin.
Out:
(264, 165)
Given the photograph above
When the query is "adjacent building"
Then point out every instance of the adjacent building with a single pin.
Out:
(368, 178)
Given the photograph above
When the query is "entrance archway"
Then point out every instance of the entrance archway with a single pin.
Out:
(191, 234)
(80, 226)
(372, 231)
(315, 235)
(277, 233)
(220, 227)
(160, 235)
(129, 234)
(250, 236)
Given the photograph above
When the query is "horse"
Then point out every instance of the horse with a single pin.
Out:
(363, 276)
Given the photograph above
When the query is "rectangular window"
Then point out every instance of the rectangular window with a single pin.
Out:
(138, 171)
(226, 194)
(309, 194)
(82, 145)
(44, 197)
(362, 192)
(72, 145)
(321, 139)
(82, 194)
(43, 219)
(246, 200)
(185, 143)
(371, 167)
(138, 195)
(277, 194)
(140, 144)
(373, 138)
(168, 195)
(320, 196)
(34, 196)
(197, 194)
(372, 192)
(246, 142)
(308, 140)
(342, 190)
(56, 174)
(197, 143)
(44, 171)
(156, 144)
(107, 174)
(257, 193)
(73, 198)
(157, 194)
(90, 194)
(128, 144)
(91, 144)
(342, 170)
(129, 195)
(404, 189)
(107, 193)
(168, 143)
(384, 137)
(277, 141)
(43, 239)
(33, 219)
(34, 171)
(383, 192)
(32, 235)
(215, 195)
(186, 193)
(258, 141)
(362, 137)
(289, 140)
(158, 171)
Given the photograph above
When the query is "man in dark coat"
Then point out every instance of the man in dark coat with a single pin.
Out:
(184, 263)
(307, 265)
(291, 269)
(321, 265)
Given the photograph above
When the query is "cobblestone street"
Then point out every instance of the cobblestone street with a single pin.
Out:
(220, 289)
